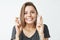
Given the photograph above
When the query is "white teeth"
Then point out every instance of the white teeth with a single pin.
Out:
(29, 19)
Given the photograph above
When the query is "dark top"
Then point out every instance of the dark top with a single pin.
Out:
(34, 37)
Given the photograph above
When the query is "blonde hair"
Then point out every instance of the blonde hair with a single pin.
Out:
(23, 11)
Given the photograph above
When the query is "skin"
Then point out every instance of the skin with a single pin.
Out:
(29, 29)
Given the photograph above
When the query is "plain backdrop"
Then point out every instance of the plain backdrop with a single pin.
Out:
(49, 9)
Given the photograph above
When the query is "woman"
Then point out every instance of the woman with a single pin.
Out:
(29, 28)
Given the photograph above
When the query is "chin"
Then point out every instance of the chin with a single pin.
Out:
(29, 22)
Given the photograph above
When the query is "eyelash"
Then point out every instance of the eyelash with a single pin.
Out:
(31, 12)
(25, 13)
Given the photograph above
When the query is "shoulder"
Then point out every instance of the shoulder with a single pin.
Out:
(45, 26)
(13, 33)
(46, 31)
(13, 28)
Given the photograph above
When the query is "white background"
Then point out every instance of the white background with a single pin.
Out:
(49, 9)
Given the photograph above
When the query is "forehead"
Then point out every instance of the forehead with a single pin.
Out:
(27, 8)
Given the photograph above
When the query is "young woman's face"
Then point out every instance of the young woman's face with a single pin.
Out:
(30, 15)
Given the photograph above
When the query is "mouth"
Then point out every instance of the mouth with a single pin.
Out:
(29, 19)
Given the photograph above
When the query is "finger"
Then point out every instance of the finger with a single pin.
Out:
(38, 22)
(41, 20)
(21, 28)
(16, 20)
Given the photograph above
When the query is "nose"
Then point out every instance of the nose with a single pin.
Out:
(29, 14)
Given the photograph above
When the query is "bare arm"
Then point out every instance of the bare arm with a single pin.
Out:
(18, 28)
(17, 37)
(41, 35)
(45, 38)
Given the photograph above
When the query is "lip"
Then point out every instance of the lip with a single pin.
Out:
(29, 19)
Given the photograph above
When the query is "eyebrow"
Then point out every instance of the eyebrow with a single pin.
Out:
(31, 10)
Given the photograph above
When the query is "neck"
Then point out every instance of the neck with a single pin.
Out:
(29, 27)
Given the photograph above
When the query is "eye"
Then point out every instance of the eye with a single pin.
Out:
(25, 13)
(32, 12)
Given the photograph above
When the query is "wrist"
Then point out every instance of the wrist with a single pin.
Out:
(17, 35)
(41, 35)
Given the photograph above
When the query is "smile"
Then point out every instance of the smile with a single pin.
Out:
(29, 19)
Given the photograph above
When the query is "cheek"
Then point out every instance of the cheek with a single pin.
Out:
(24, 16)
(34, 15)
